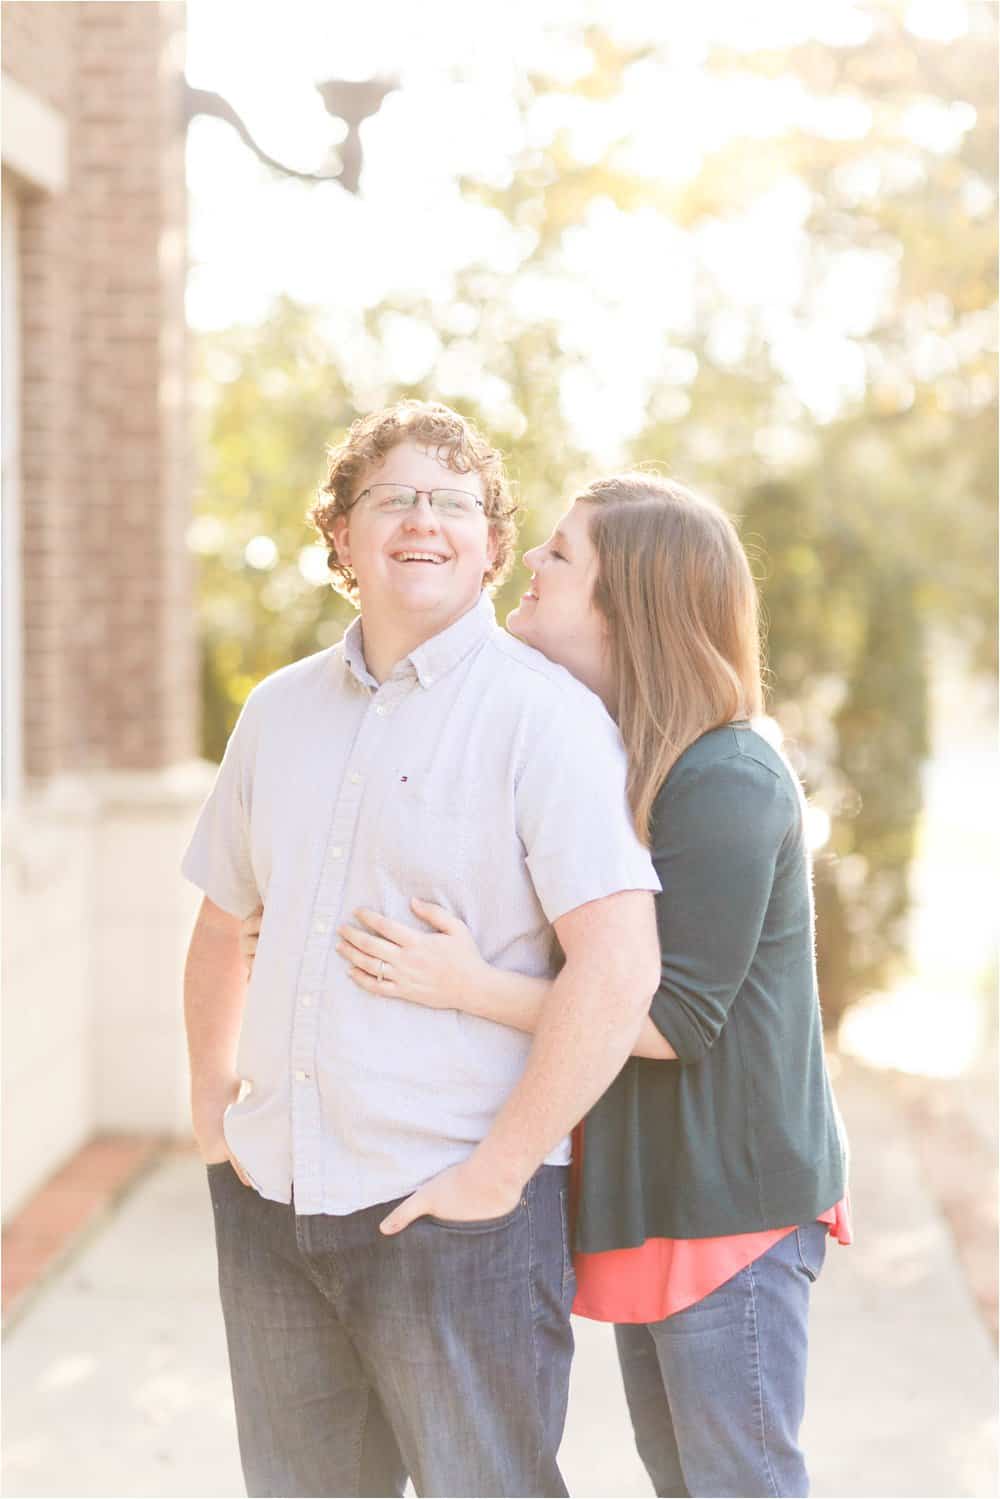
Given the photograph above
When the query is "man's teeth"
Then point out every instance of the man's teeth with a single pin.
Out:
(417, 557)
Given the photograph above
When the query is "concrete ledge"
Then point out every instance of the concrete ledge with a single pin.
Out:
(98, 922)
(35, 138)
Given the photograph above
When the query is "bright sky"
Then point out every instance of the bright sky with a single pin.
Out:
(253, 237)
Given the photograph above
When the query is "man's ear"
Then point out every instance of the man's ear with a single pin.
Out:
(340, 531)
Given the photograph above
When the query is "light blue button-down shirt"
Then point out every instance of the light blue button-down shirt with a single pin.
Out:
(478, 775)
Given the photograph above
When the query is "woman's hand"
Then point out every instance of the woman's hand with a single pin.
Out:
(249, 933)
(441, 969)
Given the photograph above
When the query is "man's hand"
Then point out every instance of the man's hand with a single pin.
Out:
(466, 1193)
(222, 1153)
(206, 1117)
(214, 990)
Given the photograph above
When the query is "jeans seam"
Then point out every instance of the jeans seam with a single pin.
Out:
(531, 1255)
(567, 1255)
(758, 1379)
(529, 1196)
(360, 1441)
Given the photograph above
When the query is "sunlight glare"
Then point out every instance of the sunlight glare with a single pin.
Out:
(260, 552)
(937, 20)
(66, 1371)
(907, 1030)
(818, 826)
(312, 565)
(206, 535)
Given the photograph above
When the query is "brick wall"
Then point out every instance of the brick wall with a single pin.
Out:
(110, 670)
(92, 1031)
(38, 48)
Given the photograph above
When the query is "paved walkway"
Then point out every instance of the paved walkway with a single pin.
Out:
(116, 1381)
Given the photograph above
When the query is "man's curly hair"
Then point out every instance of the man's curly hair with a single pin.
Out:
(453, 440)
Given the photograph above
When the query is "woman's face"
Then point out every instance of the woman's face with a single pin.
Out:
(557, 614)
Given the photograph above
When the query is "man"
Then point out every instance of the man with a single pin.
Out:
(389, 1181)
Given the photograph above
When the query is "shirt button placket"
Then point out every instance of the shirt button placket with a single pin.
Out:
(308, 1143)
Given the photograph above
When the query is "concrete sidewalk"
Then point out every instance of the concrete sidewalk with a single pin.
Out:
(116, 1381)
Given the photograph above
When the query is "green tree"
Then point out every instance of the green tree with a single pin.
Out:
(271, 399)
(867, 521)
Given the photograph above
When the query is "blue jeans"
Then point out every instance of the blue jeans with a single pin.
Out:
(717, 1391)
(442, 1352)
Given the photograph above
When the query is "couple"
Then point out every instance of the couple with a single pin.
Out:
(507, 879)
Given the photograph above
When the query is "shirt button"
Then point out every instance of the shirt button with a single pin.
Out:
(428, 679)
(308, 999)
(301, 1077)
(337, 852)
(355, 778)
(321, 924)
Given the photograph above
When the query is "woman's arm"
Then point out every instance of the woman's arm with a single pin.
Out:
(516, 999)
(718, 832)
(445, 970)
(448, 974)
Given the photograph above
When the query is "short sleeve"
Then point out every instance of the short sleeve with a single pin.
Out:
(218, 857)
(573, 817)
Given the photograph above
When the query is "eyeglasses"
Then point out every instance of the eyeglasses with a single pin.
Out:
(400, 499)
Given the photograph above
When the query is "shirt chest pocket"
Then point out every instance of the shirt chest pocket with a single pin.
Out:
(431, 837)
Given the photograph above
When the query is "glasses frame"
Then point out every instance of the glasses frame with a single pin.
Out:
(430, 493)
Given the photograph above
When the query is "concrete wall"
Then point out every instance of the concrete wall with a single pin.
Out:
(48, 1098)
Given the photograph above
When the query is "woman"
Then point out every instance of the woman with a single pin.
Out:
(712, 1170)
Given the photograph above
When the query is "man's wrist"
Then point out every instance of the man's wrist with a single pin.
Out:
(210, 1100)
(500, 1164)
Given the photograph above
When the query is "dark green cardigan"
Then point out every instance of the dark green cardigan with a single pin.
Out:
(741, 1132)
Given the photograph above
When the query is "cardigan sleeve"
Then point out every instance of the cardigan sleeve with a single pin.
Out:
(718, 831)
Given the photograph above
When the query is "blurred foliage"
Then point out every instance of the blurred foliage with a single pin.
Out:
(869, 526)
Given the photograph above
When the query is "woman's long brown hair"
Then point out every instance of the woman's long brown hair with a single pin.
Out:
(675, 587)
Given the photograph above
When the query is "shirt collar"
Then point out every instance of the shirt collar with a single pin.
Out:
(439, 654)
(436, 656)
(354, 654)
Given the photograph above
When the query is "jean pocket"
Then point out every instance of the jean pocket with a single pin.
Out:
(478, 1225)
(810, 1243)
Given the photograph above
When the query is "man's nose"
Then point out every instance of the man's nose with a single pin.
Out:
(422, 516)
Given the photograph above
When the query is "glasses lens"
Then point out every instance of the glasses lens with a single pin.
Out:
(453, 502)
(392, 497)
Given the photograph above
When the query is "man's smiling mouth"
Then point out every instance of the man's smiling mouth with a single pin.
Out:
(434, 558)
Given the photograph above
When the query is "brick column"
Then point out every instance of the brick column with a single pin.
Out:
(98, 917)
(136, 646)
(110, 651)
(38, 47)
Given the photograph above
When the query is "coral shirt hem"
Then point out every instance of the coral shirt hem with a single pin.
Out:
(663, 1276)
